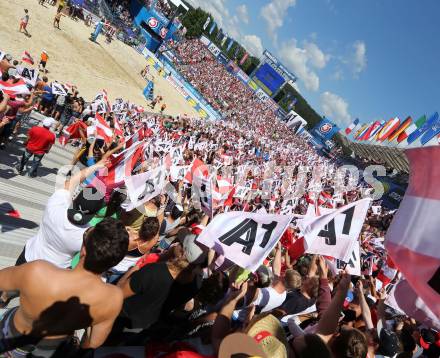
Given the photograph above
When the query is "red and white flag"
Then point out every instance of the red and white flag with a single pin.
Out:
(387, 272)
(72, 132)
(413, 237)
(15, 88)
(138, 136)
(120, 167)
(403, 298)
(103, 130)
(26, 57)
(220, 191)
(197, 168)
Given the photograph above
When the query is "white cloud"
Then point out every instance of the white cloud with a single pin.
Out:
(273, 13)
(253, 44)
(302, 60)
(242, 12)
(335, 107)
(316, 56)
(359, 57)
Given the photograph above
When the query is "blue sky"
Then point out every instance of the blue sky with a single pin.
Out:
(372, 59)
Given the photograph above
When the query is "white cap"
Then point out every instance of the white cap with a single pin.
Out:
(48, 121)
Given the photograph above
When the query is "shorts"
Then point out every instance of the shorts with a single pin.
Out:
(43, 63)
(46, 103)
(59, 108)
(65, 119)
(43, 348)
(23, 24)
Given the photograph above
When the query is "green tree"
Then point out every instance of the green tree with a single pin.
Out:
(194, 20)
(302, 107)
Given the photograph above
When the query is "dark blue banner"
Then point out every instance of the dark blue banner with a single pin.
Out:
(325, 130)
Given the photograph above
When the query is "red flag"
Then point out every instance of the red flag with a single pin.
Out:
(72, 132)
(387, 272)
(197, 167)
(26, 57)
(103, 130)
(15, 88)
(220, 191)
(412, 239)
(119, 168)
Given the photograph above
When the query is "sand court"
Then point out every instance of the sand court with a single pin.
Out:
(73, 58)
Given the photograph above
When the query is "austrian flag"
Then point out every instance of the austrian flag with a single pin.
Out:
(26, 57)
(413, 237)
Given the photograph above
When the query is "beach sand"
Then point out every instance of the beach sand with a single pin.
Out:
(73, 58)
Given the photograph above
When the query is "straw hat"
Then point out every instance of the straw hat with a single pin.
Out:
(265, 338)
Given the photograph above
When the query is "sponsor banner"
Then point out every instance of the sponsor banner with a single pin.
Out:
(222, 58)
(253, 85)
(243, 77)
(214, 49)
(325, 130)
(205, 40)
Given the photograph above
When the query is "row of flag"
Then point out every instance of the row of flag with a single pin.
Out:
(395, 132)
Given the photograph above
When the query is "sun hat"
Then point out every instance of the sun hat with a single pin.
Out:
(264, 337)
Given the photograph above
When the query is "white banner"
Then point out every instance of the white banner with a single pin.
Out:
(335, 233)
(58, 89)
(30, 75)
(143, 187)
(244, 238)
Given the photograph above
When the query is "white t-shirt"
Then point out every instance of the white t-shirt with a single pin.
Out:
(268, 299)
(57, 240)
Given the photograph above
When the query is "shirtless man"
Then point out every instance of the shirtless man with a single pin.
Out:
(71, 299)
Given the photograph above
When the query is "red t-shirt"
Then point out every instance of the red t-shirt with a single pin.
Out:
(40, 139)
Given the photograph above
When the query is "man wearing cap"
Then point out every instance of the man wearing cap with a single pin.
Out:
(39, 141)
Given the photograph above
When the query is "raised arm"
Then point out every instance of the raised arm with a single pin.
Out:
(328, 323)
(276, 263)
(366, 313)
(222, 324)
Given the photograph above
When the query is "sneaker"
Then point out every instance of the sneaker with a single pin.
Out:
(17, 169)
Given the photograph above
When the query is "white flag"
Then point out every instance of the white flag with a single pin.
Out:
(335, 233)
(244, 238)
(143, 187)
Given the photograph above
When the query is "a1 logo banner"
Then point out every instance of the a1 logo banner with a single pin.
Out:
(177, 155)
(143, 187)
(178, 172)
(29, 75)
(244, 238)
(163, 147)
(202, 187)
(333, 234)
(58, 89)
(353, 265)
(241, 192)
